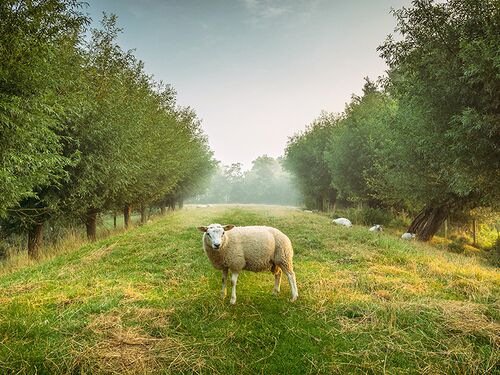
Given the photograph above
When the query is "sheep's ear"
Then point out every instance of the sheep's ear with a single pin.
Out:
(202, 229)
(228, 227)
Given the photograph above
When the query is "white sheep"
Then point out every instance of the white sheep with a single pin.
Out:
(343, 221)
(408, 236)
(376, 228)
(253, 248)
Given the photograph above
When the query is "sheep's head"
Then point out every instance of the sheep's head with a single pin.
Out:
(214, 234)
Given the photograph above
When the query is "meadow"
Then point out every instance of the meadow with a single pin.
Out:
(147, 301)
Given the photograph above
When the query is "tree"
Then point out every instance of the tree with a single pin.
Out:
(83, 128)
(304, 158)
(37, 57)
(198, 164)
(268, 183)
(445, 75)
(265, 183)
(351, 153)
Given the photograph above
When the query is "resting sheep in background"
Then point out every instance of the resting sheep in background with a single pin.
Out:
(408, 236)
(343, 221)
(376, 228)
(254, 248)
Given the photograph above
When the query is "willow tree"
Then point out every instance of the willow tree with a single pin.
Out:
(445, 74)
(197, 163)
(105, 129)
(37, 57)
(352, 151)
(304, 158)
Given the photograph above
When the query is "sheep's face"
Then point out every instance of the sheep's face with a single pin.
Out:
(214, 234)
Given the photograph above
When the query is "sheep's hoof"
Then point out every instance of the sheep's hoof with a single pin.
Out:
(233, 301)
(222, 295)
(276, 291)
(294, 298)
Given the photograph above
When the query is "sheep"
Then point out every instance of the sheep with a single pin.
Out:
(408, 236)
(343, 221)
(376, 228)
(253, 248)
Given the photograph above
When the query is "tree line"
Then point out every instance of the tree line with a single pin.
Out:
(424, 138)
(83, 129)
(265, 183)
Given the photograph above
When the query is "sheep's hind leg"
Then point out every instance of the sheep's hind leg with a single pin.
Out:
(293, 284)
(234, 280)
(277, 280)
(224, 280)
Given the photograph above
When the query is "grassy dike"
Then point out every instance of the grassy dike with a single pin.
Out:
(147, 301)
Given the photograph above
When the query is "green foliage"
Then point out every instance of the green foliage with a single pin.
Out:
(304, 158)
(352, 152)
(34, 65)
(266, 183)
(444, 73)
(429, 140)
(83, 127)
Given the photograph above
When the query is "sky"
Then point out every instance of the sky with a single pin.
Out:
(256, 71)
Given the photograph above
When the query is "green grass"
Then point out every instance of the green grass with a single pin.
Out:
(147, 301)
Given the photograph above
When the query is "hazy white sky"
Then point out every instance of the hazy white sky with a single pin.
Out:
(256, 71)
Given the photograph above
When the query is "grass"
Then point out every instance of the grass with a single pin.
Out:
(146, 301)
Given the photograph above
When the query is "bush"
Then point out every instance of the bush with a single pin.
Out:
(367, 216)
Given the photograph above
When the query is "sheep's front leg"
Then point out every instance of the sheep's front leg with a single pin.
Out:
(224, 280)
(234, 280)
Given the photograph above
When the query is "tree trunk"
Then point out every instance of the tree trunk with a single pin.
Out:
(332, 200)
(114, 220)
(144, 217)
(319, 203)
(127, 210)
(163, 208)
(181, 203)
(473, 232)
(35, 240)
(446, 228)
(91, 224)
(171, 204)
(427, 222)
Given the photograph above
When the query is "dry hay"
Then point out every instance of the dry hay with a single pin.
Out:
(20, 288)
(367, 321)
(124, 349)
(98, 254)
(464, 318)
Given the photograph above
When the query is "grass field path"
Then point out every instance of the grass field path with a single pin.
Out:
(147, 301)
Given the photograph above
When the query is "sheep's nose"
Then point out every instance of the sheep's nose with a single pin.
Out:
(216, 245)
